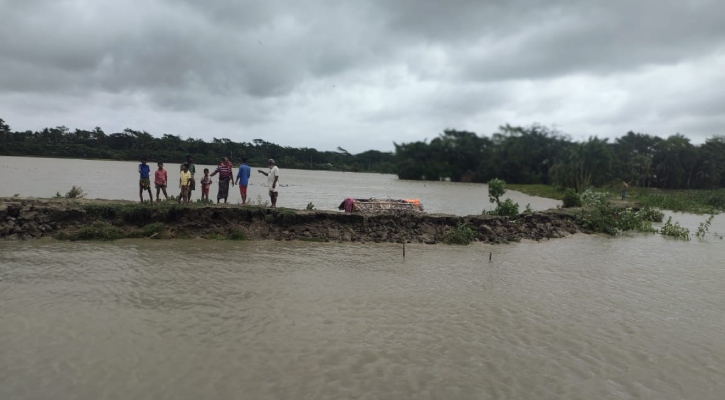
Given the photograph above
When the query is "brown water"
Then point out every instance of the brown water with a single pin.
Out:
(588, 317)
(44, 177)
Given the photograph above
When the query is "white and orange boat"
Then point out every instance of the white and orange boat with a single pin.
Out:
(372, 205)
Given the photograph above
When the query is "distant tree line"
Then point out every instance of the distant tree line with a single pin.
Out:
(524, 155)
(538, 155)
(132, 144)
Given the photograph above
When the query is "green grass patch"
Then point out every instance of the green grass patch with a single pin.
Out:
(285, 216)
(236, 234)
(548, 191)
(154, 229)
(96, 231)
(462, 234)
(689, 201)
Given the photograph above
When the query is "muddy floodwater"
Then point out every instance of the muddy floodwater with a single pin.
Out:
(585, 317)
(44, 177)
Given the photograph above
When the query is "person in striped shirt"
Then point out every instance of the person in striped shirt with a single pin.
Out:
(224, 169)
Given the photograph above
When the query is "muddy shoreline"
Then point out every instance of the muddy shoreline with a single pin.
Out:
(32, 218)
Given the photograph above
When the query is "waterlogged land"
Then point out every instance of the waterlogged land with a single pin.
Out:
(690, 201)
(78, 219)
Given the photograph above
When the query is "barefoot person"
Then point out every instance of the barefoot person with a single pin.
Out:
(243, 179)
(184, 182)
(144, 182)
(192, 170)
(272, 181)
(225, 171)
(161, 180)
(205, 184)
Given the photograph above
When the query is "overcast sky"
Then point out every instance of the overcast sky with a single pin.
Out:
(363, 74)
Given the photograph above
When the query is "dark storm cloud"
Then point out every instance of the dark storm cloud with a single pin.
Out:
(397, 68)
(227, 47)
(603, 39)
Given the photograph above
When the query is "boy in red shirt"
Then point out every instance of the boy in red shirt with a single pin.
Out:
(205, 183)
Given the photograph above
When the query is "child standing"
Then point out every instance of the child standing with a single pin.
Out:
(205, 183)
(161, 180)
(144, 182)
(184, 182)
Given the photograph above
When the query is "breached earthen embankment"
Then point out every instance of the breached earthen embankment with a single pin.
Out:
(22, 219)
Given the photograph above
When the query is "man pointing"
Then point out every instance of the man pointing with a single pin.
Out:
(272, 181)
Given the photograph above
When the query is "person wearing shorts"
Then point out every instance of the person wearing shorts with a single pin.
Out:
(184, 181)
(144, 182)
(205, 183)
(192, 170)
(161, 180)
(243, 179)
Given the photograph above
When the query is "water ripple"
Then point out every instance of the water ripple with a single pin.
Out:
(581, 318)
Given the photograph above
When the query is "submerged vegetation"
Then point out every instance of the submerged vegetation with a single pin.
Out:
(690, 201)
(675, 230)
(704, 227)
(600, 215)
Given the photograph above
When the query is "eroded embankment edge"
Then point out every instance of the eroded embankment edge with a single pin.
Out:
(23, 219)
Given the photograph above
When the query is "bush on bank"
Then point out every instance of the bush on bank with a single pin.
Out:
(571, 199)
(507, 208)
(462, 234)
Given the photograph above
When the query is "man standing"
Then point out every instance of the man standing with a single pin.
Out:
(144, 181)
(226, 173)
(272, 181)
(243, 179)
(192, 170)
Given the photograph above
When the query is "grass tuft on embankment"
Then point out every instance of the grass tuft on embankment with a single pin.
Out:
(462, 235)
(98, 230)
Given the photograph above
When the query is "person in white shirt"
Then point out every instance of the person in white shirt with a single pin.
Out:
(272, 181)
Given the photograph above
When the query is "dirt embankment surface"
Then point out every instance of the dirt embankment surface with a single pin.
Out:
(22, 219)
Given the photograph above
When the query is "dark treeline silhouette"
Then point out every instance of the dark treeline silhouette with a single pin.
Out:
(530, 155)
(131, 145)
(538, 155)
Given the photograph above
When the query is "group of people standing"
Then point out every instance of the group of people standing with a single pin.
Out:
(187, 181)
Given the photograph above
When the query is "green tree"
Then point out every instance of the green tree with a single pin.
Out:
(585, 164)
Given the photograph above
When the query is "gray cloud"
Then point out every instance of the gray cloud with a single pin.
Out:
(363, 74)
